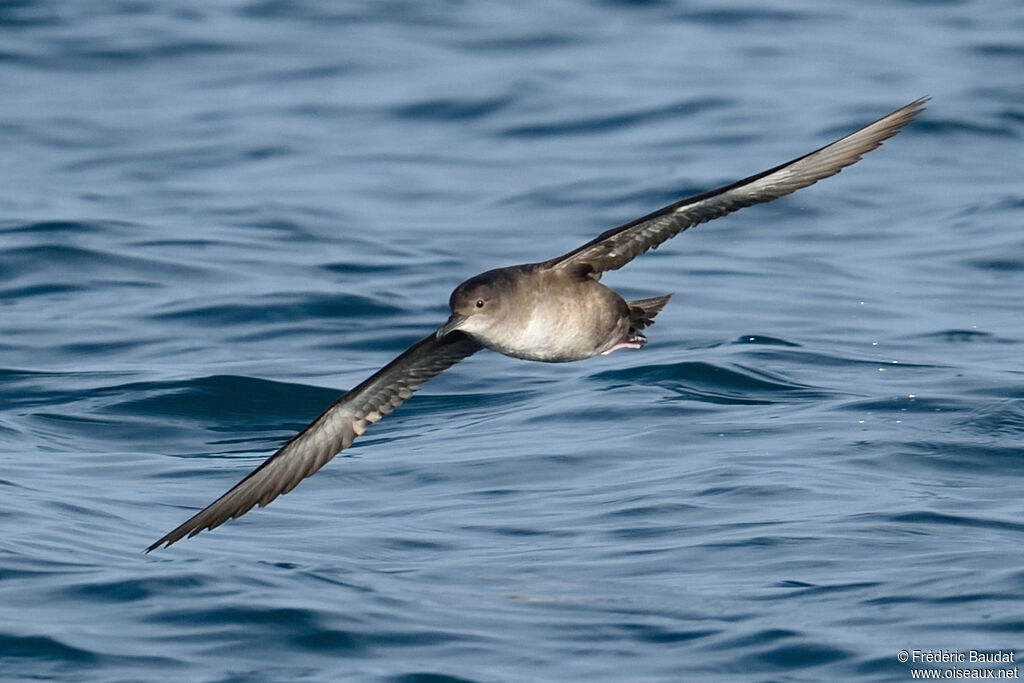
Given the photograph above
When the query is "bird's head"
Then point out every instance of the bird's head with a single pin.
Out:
(475, 305)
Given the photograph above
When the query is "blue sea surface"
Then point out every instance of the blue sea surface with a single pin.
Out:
(217, 217)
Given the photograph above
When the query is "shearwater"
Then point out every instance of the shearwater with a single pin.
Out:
(553, 311)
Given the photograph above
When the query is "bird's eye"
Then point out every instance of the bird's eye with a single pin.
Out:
(479, 303)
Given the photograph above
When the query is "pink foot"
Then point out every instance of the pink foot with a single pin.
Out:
(633, 340)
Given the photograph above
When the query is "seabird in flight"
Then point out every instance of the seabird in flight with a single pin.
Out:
(553, 311)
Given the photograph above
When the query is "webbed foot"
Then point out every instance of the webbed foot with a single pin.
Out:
(633, 340)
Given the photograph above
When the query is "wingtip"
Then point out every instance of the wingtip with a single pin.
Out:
(167, 540)
(914, 108)
(920, 104)
(162, 543)
(906, 114)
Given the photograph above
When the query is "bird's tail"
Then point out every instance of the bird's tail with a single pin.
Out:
(642, 311)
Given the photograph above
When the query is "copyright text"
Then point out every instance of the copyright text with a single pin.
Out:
(945, 664)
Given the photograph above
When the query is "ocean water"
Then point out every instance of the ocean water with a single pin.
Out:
(216, 217)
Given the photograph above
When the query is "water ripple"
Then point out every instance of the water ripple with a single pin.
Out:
(735, 385)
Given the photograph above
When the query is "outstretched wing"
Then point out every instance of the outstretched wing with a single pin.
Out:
(618, 246)
(333, 431)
